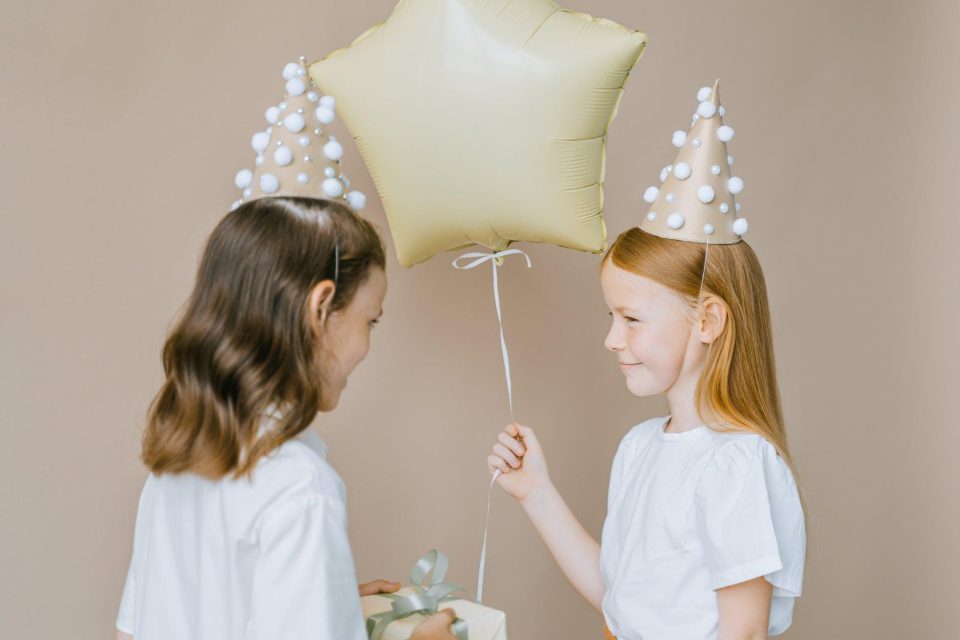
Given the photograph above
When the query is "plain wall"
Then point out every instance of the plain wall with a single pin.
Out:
(122, 127)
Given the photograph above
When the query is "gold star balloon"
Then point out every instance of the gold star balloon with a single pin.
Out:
(484, 122)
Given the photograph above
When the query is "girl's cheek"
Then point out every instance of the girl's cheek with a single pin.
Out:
(636, 342)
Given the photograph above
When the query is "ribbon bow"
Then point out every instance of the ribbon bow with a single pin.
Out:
(496, 259)
(425, 599)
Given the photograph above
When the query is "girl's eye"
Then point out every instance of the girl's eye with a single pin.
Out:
(627, 318)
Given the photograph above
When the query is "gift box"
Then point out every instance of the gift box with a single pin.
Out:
(394, 616)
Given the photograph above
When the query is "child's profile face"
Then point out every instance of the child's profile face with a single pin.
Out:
(650, 330)
(346, 337)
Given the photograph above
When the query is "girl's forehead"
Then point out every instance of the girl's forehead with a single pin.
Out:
(623, 284)
(374, 288)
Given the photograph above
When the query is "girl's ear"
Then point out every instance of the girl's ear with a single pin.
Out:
(713, 319)
(319, 301)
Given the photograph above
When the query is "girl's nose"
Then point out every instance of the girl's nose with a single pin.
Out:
(613, 342)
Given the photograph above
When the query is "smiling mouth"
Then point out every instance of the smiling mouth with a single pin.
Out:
(629, 364)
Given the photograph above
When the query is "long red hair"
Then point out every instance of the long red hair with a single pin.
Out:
(738, 388)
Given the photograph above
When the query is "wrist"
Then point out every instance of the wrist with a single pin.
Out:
(538, 496)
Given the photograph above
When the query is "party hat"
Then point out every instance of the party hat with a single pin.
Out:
(696, 200)
(295, 154)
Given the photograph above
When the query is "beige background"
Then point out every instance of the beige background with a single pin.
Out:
(123, 124)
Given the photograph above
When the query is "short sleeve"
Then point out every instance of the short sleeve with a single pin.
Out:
(750, 519)
(125, 615)
(126, 612)
(304, 584)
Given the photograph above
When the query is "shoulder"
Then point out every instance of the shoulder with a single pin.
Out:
(294, 486)
(298, 468)
(642, 432)
(739, 456)
(740, 448)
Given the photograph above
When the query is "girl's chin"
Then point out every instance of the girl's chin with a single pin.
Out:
(329, 402)
(640, 388)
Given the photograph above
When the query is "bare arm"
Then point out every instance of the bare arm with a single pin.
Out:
(745, 610)
(575, 550)
(123, 636)
(520, 459)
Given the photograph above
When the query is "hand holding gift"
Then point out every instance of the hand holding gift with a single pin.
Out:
(439, 626)
(378, 586)
(413, 613)
(436, 627)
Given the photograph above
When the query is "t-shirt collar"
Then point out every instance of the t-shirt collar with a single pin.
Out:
(682, 436)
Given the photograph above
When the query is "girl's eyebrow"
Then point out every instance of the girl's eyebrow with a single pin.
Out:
(622, 309)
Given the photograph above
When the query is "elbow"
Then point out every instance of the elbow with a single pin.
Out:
(596, 600)
(745, 634)
(598, 605)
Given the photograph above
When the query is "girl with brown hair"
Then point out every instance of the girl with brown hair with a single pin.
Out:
(241, 528)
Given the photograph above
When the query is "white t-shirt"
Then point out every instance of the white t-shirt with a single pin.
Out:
(242, 559)
(691, 512)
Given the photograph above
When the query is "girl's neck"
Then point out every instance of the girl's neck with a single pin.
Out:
(675, 425)
(683, 411)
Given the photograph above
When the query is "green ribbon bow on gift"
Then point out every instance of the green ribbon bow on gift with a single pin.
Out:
(425, 599)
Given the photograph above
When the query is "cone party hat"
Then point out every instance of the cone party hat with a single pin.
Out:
(696, 200)
(295, 154)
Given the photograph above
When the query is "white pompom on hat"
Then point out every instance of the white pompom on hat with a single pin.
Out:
(698, 188)
(296, 156)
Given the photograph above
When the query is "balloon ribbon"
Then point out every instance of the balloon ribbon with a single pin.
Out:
(496, 259)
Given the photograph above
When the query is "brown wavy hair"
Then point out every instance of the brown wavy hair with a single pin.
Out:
(738, 387)
(244, 342)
